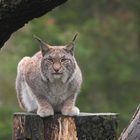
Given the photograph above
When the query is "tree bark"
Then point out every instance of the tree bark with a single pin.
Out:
(86, 126)
(132, 132)
(15, 13)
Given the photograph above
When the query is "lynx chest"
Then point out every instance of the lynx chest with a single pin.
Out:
(57, 92)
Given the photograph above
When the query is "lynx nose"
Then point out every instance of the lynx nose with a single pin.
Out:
(56, 67)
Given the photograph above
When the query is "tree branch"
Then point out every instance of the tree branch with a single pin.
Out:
(15, 13)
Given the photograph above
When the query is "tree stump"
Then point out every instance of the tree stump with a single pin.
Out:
(86, 126)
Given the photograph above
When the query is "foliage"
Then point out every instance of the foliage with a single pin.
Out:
(107, 51)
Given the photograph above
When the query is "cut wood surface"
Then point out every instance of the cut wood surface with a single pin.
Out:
(86, 126)
(15, 13)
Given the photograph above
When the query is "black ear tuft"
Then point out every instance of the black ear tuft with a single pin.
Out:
(37, 38)
(75, 36)
(44, 47)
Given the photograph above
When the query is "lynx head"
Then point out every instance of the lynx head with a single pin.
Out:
(58, 62)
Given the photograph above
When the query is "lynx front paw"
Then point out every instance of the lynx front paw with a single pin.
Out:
(74, 111)
(45, 112)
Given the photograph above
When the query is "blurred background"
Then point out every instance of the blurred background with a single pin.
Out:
(107, 50)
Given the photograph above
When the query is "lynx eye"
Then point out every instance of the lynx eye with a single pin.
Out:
(50, 60)
(64, 60)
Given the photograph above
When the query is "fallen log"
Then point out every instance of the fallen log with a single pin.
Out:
(132, 132)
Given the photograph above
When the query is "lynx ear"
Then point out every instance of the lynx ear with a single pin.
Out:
(70, 47)
(44, 47)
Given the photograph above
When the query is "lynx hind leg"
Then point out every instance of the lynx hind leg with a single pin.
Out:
(24, 93)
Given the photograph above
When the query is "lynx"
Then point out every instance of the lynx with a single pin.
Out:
(49, 81)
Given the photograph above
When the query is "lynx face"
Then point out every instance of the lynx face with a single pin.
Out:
(58, 63)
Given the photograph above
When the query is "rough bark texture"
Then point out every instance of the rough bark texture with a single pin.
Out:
(132, 132)
(86, 126)
(15, 13)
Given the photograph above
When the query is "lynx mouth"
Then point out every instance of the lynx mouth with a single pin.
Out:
(57, 73)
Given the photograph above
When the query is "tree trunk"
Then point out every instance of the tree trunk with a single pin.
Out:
(15, 13)
(132, 132)
(86, 126)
